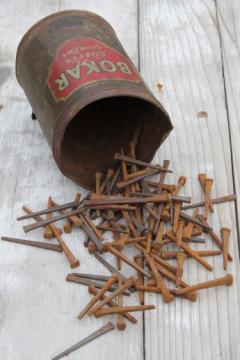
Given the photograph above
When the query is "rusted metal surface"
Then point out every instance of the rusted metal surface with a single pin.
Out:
(87, 94)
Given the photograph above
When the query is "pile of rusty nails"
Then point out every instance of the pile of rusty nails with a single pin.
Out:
(154, 215)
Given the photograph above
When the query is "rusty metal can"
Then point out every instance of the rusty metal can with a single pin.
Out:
(87, 94)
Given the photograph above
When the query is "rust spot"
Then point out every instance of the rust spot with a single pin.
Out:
(202, 114)
(160, 86)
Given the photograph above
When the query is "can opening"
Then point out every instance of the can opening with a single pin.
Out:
(102, 128)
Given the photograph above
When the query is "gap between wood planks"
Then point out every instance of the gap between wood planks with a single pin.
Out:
(229, 126)
(139, 69)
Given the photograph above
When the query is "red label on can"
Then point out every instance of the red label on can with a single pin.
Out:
(81, 61)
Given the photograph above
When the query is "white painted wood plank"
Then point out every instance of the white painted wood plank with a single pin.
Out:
(228, 16)
(180, 47)
(38, 308)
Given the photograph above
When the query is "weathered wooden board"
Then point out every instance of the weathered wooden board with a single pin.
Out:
(228, 21)
(38, 308)
(180, 47)
(193, 49)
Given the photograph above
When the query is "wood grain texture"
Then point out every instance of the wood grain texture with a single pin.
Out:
(38, 308)
(180, 47)
(192, 47)
(228, 20)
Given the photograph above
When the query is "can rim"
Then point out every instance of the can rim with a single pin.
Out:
(29, 33)
(66, 117)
